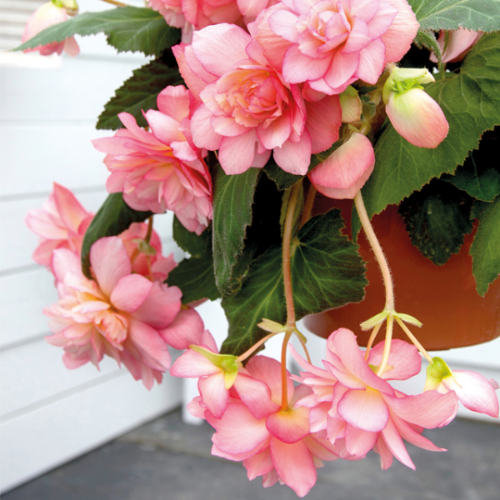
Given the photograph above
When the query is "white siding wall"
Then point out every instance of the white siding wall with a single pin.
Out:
(48, 108)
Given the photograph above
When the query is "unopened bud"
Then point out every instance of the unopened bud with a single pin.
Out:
(351, 105)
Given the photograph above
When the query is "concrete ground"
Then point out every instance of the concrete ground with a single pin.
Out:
(169, 460)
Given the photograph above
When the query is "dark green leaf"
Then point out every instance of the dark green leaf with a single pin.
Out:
(233, 198)
(194, 276)
(471, 103)
(114, 217)
(479, 176)
(437, 218)
(485, 249)
(477, 15)
(127, 29)
(138, 94)
(284, 180)
(327, 272)
(428, 39)
(190, 242)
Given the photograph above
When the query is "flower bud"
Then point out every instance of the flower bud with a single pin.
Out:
(346, 170)
(457, 46)
(351, 105)
(413, 113)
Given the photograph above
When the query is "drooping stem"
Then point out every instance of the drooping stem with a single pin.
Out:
(252, 349)
(372, 339)
(287, 281)
(303, 344)
(287, 240)
(377, 250)
(412, 337)
(115, 2)
(387, 345)
(150, 230)
(306, 213)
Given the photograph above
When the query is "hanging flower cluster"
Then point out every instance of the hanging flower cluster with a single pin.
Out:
(300, 90)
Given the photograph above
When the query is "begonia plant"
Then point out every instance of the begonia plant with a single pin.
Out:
(246, 110)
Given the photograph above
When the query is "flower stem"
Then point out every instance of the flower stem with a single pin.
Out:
(306, 214)
(147, 239)
(412, 337)
(377, 250)
(387, 346)
(372, 339)
(287, 281)
(252, 349)
(115, 2)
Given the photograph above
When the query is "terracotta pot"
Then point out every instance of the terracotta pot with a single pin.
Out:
(443, 298)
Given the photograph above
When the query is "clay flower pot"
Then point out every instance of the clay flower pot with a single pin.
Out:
(443, 298)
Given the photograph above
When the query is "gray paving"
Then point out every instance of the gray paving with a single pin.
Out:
(169, 460)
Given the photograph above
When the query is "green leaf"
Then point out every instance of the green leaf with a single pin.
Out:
(327, 272)
(138, 94)
(233, 198)
(284, 180)
(428, 39)
(126, 28)
(437, 218)
(479, 176)
(114, 217)
(471, 102)
(194, 276)
(477, 15)
(485, 249)
(190, 242)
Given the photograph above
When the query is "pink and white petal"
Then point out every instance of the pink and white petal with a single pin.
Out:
(186, 329)
(284, 24)
(219, 47)
(110, 262)
(324, 119)
(71, 46)
(342, 68)
(295, 157)
(359, 442)
(365, 9)
(214, 393)
(256, 395)
(238, 431)
(359, 36)
(164, 128)
(385, 453)
(404, 360)
(289, 426)
(474, 391)
(160, 307)
(298, 68)
(204, 135)
(174, 101)
(294, 465)
(70, 210)
(192, 364)
(259, 464)
(261, 159)
(196, 407)
(413, 437)
(318, 417)
(65, 262)
(194, 82)
(227, 127)
(277, 132)
(371, 62)
(430, 409)
(236, 154)
(152, 348)
(395, 444)
(365, 410)
(320, 448)
(130, 292)
(400, 34)
(319, 372)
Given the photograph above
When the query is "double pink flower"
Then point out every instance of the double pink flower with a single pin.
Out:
(162, 169)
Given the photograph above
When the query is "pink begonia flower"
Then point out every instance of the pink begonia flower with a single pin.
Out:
(43, 17)
(414, 113)
(363, 411)
(247, 110)
(154, 266)
(171, 10)
(474, 391)
(346, 170)
(119, 314)
(60, 223)
(277, 446)
(459, 43)
(333, 43)
(161, 169)
(217, 374)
